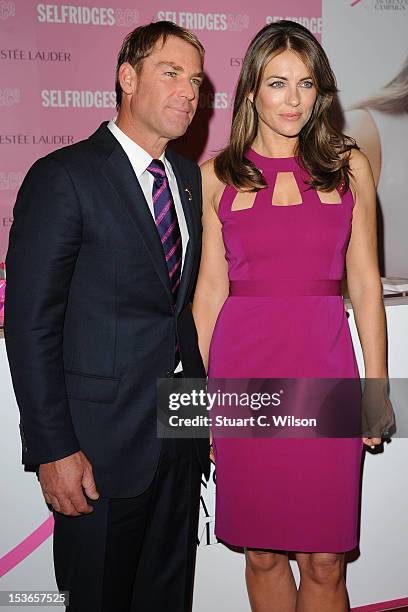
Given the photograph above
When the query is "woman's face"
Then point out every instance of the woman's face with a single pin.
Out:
(286, 96)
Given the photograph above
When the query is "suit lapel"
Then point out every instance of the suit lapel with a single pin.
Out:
(119, 173)
(186, 194)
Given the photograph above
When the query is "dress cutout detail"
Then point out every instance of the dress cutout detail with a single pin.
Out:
(286, 191)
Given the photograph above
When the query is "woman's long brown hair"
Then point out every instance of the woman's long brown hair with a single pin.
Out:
(322, 150)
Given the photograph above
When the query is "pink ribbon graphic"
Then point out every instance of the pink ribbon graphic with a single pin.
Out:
(355, 2)
(26, 546)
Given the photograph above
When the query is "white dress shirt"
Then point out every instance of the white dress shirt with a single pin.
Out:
(140, 160)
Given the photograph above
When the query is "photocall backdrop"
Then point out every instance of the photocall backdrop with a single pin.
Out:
(57, 85)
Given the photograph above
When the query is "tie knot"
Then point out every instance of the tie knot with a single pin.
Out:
(156, 168)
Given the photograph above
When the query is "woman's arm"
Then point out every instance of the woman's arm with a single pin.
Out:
(363, 277)
(212, 284)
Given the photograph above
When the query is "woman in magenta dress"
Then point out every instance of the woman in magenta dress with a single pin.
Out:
(288, 204)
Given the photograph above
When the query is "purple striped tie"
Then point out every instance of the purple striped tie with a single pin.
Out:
(167, 223)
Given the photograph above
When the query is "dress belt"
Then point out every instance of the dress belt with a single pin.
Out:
(281, 287)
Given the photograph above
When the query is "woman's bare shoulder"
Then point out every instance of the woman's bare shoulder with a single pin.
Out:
(208, 173)
(361, 172)
(213, 187)
(358, 161)
(361, 177)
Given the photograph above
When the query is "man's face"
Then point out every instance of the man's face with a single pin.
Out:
(165, 92)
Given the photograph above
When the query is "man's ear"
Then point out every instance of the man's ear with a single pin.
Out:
(127, 78)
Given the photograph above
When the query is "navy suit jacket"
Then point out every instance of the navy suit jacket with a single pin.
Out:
(89, 317)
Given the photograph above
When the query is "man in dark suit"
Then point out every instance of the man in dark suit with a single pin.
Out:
(103, 257)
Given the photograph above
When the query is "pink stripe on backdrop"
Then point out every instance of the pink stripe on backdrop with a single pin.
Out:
(26, 546)
(382, 605)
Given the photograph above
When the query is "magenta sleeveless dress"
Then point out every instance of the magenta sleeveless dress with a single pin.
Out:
(285, 317)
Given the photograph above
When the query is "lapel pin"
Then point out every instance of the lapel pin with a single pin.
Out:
(189, 196)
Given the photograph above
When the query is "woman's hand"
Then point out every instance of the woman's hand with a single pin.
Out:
(378, 419)
(212, 456)
(372, 442)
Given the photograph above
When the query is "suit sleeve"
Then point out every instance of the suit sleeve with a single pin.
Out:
(45, 239)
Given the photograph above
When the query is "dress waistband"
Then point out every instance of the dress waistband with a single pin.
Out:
(282, 287)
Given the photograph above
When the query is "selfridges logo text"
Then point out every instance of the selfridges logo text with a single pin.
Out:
(218, 100)
(206, 21)
(314, 24)
(9, 96)
(87, 15)
(10, 181)
(7, 9)
(73, 98)
(33, 55)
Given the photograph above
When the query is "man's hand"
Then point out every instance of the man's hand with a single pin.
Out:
(64, 483)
